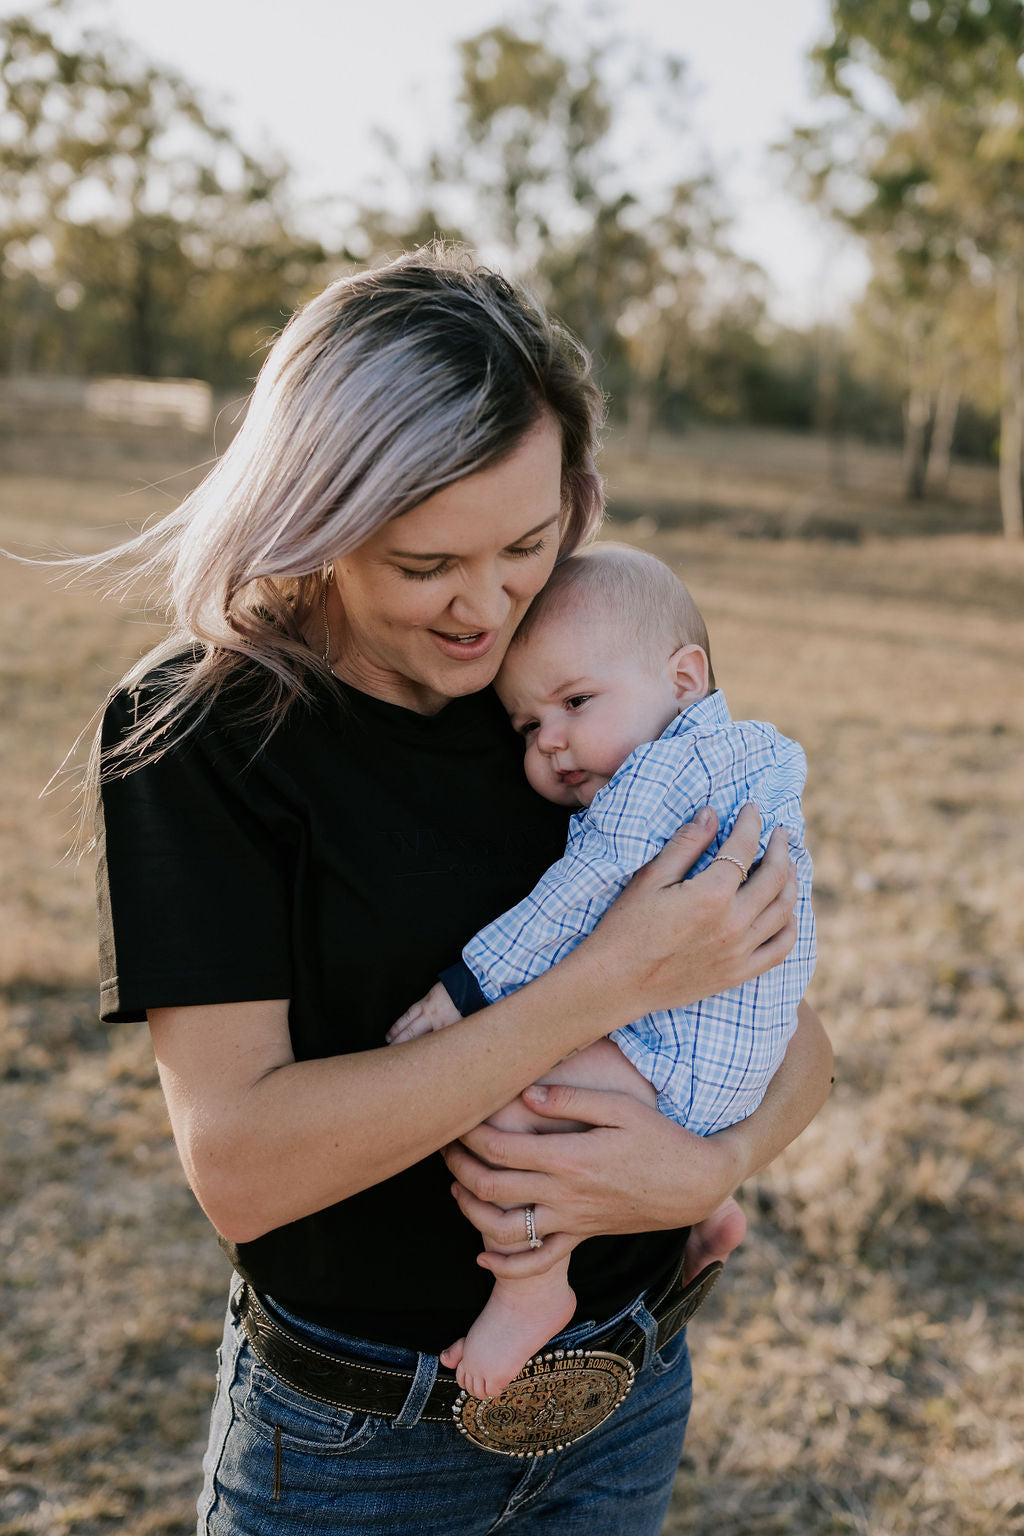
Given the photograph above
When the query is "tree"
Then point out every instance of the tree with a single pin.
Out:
(539, 173)
(944, 157)
(126, 210)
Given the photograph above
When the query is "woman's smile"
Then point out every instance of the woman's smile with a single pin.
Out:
(466, 647)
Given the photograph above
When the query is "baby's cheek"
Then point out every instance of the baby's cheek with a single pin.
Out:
(544, 780)
(538, 774)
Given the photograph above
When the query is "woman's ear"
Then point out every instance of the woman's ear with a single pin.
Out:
(689, 670)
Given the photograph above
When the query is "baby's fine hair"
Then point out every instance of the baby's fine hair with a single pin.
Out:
(639, 591)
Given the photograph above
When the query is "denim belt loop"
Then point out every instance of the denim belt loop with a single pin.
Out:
(646, 1322)
(422, 1385)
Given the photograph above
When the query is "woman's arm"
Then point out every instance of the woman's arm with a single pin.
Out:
(635, 1170)
(266, 1140)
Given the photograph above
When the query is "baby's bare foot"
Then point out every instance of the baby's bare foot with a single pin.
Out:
(714, 1238)
(451, 1356)
(518, 1320)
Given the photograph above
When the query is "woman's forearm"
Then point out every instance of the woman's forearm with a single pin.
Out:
(266, 1140)
(794, 1096)
(634, 1170)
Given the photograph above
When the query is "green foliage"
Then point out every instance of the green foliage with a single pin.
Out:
(957, 136)
(136, 236)
(925, 162)
(924, 48)
(542, 172)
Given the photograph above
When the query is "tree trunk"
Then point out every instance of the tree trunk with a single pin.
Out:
(639, 419)
(917, 412)
(827, 406)
(142, 331)
(947, 406)
(917, 415)
(645, 350)
(1011, 437)
(24, 333)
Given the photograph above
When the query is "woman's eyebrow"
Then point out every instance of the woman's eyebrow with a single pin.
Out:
(409, 554)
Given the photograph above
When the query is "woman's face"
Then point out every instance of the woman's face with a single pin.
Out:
(424, 610)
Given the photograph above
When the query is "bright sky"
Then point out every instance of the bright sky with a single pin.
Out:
(314, 77)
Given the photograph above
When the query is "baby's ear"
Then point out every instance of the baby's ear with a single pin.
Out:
(689, 670)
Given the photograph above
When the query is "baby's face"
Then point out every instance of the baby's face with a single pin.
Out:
(583, 695)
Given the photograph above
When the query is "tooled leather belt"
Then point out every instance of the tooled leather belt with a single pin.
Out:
(558, 1397)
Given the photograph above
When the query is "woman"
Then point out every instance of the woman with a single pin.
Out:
(310, 798)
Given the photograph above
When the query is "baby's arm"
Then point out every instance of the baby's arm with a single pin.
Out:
(657, 790)
(435, 1011)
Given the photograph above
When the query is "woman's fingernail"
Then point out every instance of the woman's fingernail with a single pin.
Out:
(703, 816)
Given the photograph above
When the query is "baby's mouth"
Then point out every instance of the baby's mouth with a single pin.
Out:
(571, 776)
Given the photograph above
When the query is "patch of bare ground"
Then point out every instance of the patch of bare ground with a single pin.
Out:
(762, 483)
(861, 1367)
(110, 1289)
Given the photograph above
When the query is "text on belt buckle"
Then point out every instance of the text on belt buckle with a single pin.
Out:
(555, 1400)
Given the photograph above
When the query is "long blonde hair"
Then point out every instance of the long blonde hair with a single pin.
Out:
(386, 387)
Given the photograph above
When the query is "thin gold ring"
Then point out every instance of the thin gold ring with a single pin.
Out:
(744, 869)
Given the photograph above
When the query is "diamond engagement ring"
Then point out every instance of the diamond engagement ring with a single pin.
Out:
(744, 869)
(531, 1231)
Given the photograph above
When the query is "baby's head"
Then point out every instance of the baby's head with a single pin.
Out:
(608, 654)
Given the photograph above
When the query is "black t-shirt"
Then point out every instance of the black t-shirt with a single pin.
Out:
(341, 864)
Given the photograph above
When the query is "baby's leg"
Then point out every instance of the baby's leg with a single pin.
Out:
(601, 1065)
(522, 1315)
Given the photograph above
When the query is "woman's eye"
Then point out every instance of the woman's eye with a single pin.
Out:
(435, 570)
(529, 549)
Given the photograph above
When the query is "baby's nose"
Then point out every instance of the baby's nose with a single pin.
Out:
(551, 737)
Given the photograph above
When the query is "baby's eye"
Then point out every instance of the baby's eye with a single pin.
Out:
(578, 700)
(527, 728)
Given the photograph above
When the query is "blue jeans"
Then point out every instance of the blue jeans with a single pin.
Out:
(332, 1470)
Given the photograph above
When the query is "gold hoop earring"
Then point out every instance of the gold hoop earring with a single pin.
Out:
(328, 577)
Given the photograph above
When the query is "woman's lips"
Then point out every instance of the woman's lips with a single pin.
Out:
(464, 649)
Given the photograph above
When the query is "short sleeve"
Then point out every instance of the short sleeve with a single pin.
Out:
(192, 890)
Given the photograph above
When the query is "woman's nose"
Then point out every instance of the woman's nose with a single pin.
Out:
(482, 605)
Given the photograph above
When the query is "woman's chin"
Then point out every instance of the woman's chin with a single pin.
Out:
(469, 680)
(458, 672)
(455, 680)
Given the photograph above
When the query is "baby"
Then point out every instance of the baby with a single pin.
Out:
(609, 682)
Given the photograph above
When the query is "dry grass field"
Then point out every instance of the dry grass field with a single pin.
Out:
(861, 1370)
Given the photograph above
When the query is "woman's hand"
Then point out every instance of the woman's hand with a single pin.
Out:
(633, 1170)
(668, 941)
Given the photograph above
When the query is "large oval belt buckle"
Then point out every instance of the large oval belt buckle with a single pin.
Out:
(555, 1400)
